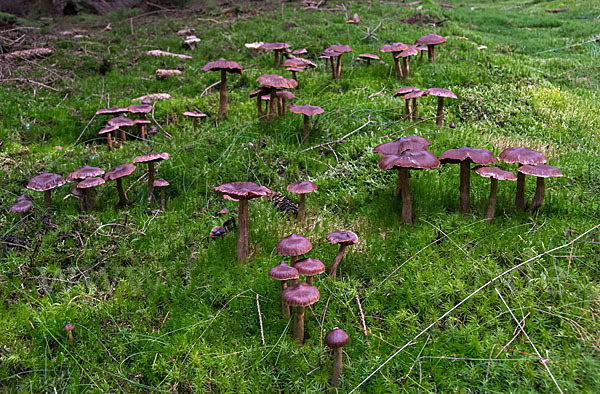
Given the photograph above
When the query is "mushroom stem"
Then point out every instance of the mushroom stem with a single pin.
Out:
(403, 183)
(298, 329)
(47, 199)
(195, 125)
(309, 280)
(280, 106)
(294, 76)
(285, 308)
(408, 109)
(90, 199)
(223, 96)
(465, 181)
(405, 68)
(302, 207)
(538, 197)
(336, 373)
(276, 62)
(368, 62)
(492, 202)
(333, 70)
(142, 127)
(109, 141)
(82, 201)
(520, 197)
(339, 67)
(431, 53)
(122, 197)
(261, 115)
(415, 111)
(397, 69)
(439, 119)
(293, 260)
(123, 135)
(150, 181)
(272, 104)
(242, 245)
(163, 201)
(337, 260)
(306, 132)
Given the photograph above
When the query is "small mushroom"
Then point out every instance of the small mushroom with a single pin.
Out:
(343, 238)
(335, 339)
(293, 245)
(440, 94)
(410, 51)
(117, 173)
(300, 51)
(368, 57)
(309, 267)
(277, 48)
(300, 296)
(160, 182)
(541, 171)
(495, 174)
(430, 40)
(23, 204)
(69, 328)
(302, 188)
(88, 200)
(338, 50)
(414, 95)
(271, 83)
(45, 183)
(84, 172)
(283, 272)
(225, 67)
(190, 42)
(283, 95)
(402, 92)
(521, 156)
(259, 94)
(151, 158)
(395, 49)
(108, 129)
(121, 122)
(295, 70)
(141, 110)
(195, 115)
(306, 110)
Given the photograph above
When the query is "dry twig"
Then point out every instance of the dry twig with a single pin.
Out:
(340, 140)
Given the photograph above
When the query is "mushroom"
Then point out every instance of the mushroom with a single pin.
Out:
(410, 50)
(300, 296)
(430, 40)
(142, 110)
(541, 171)
(309, 268)
(277, 48)
(465, 156)
(195, 115)
(302, 188)
(117, 173)
(283, 272)
(120, 122)
(440, 94)
(306, 110)
(271, 83)
(108, 129)
(295, 70)
(88, 199)
(338, 50)
(343, 238)
(225, 67)
(23, 204)
(84, 172)
(402, 92)
(404, 162)
(68, 328)
(114, 110)
(495, 174)
(45, 183)
(293, 245)
(368, 57)
(299, 62)
(258, 93)
(160, 182)
(283, 95)
(299, 51)
(243, 192)
(521, 156)
(151, 158)
(395, 49)
(190, 42)
(335, 339)
(414, 95)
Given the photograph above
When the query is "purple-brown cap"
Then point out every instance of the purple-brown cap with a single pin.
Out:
(395, 47)
(414, 94)
(410, 50)
(309, 267)
(151, 157)
(301, 294)
(477, 156)
(522, 155)
(274, 81)
(339, 48)
(301, 187)
(306, 109)
(119, 171)
(495, 172)
(112, 110)
(140, 108)
(299, 51)
(222, 64)
(24, 197)
(45, 181)
(293, 245)
(90, 182)
(412, 142)
(84, 172)
(439, 92)
(108, 129)
(22, 206)
(413, 159)
(540, 170)
(283, 271)
(368, 56)
(195, 114)
(342, 237)
(285, 94)
(430, 39)
(160, 182)
(277, 46)
(336, 338)
(238, 190)
(121, 121)
(405, 90)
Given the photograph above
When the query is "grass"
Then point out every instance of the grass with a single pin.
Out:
(156, 307)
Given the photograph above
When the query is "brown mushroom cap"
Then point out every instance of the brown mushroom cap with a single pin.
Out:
(140, 108)
(430, 39)
(112, 110)
(540, 170)
(336, 338)
(299, 62)
(418, 160)
(368, 56)
(495, 172)
(395, 47)
(283, 271)
(274, 81)
(237, 190)
(339, 48)
(45, 181)
(522, 155)
(293, 245)
(295, 69)
(268, 46)
(301, 187)
(301, 294)
(405, 90)
(414, 94)
(121, 121)
(160, 182)
(222, 64)
(257, 92)
(309, 267)
(412, 142)
(22, 206)
(306, 109)
(285, 94)
(151, 157)
(299, 51)
(24, 197)
(342, 237)
(84, 172)
(108, 129)
(195, 114)
(410, 50)
(90, 182)
(439, 92)
(119, 171)
(477, 156)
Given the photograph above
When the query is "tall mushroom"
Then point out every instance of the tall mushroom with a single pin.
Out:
(45, 183)
(195, 115)
(243, 192)
(293, 245)
(521, 156)
(302, 188)
(495, 174)
(414, 95)
(343, 238)
(88, 198)
(283, 272)
(309, 267)
(271, 83)
(465, 156)
(117, 173)
(142, 110)
(440, 94)
(430, 40)
(225, 67)
(395, 49)
(410, 50)
(308, 111)
(277, 48)
(335, 339)
(338, 50)
(541, 171)
(402, 92)
(151, 158)
(300, 296)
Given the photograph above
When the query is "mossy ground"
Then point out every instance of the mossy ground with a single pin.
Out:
(158, 307)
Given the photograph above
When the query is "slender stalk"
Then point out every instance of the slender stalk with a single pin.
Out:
(306, 131)
(47, 199)
(109, 140)
(337, 260)
(520, 197)
(405, 68)
(90, 200)
(122, 197)
(302, 207)
(272, 104)
(408, 109)
(338, 368)
(150, 181)
(415, 110)
(223, 97)
(195, 125)
(285, 308)
(403, 183)
(338, 73)
(431, 53)
(309, 280)
(333, 70)
(261, 115)
(538, 197)
(242, 245)
(492, 202)
(465, 181)
(439, 120)
(163, 201)
(298, 330)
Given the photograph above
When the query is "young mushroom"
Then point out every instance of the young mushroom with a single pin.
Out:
(402, 92)
(225, 67)
(68, 328)
(306, 110)
(309, 268)
(88, 198)
(521, 156)
(440, 94)
(343, 238)
(160, 182)
(414, 95)
(541, 171)
(271, 83)
(283, 95)
(410, 51)
(121, 122)
(430, 40)
(300, 296)
(23, 204)
(368, 57)
(195, 115)
(294, 70)
(302, 188)
(335, 339)
(283, 272)
(151, 158)
(45, 183)
(465, 156)
(293, 245)
(142, 110)
(117, 173)
(277, 48)
(242, 192)
(495, 174)
(338, 50)
(108, 129)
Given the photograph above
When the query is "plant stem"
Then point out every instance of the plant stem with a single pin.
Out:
(337, 260)
(492, 202)
(338, 367)
(298, 330)
(223, 97)
(242, 245)
(465, 181)
(538, 197)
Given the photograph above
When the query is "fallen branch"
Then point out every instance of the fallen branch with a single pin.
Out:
(31, 81)
(362, 318)
(340, 140)
(413, 125)
(205, 91)
(262, 333)
(159, 126)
